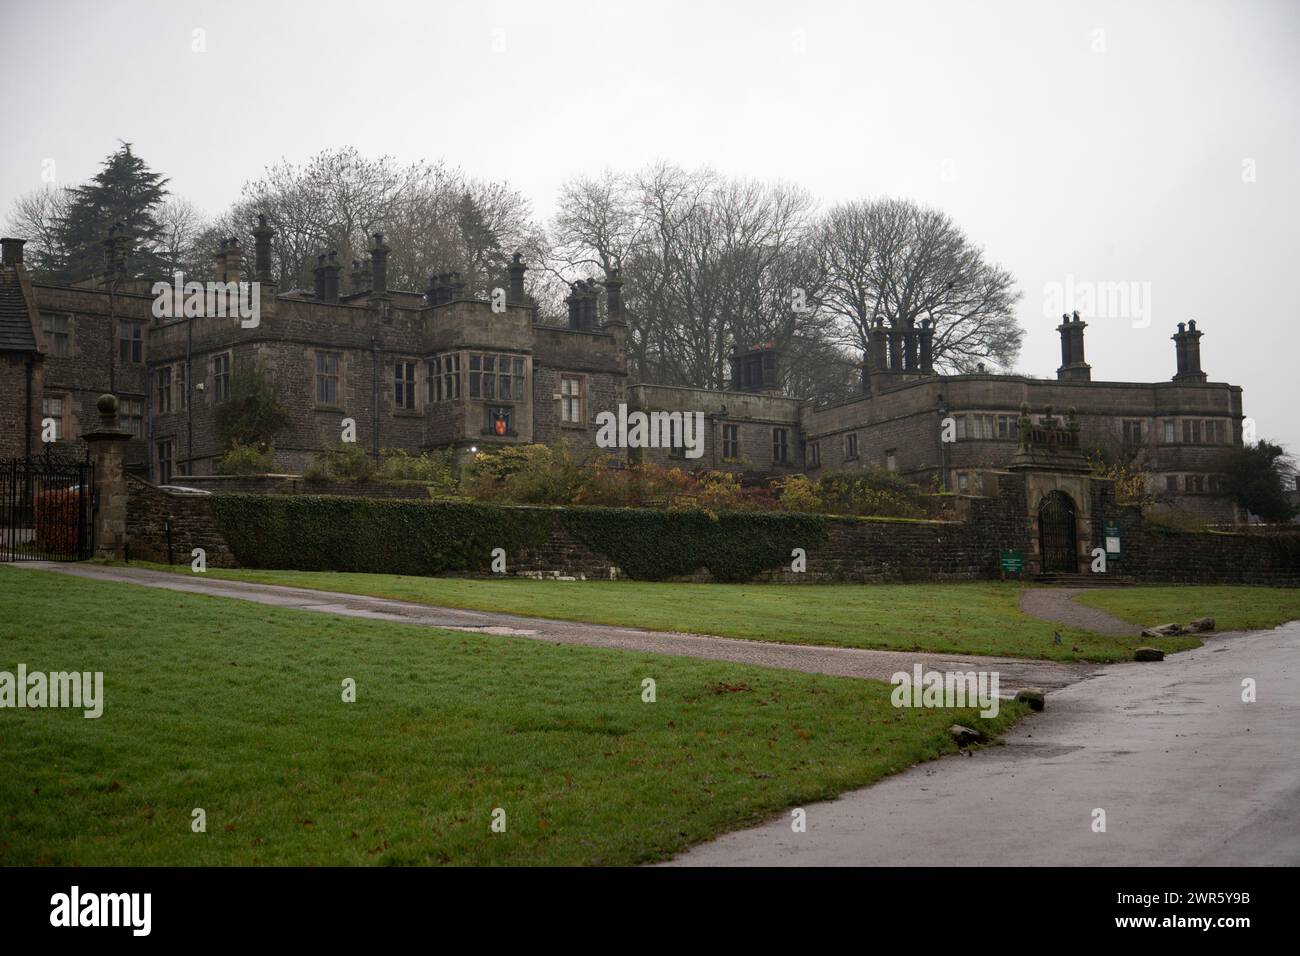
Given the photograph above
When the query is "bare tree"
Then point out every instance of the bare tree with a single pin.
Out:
(710, 265)
(435, 218)
(37, 216)
(184, 244)
(597, 224)
(892, 260)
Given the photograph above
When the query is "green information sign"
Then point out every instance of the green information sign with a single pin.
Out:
(1112, 539)
(1013, 561)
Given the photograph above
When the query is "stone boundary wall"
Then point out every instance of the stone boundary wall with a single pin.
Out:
(855, 549)
(564, 557)
(149, 511)
(1152, 553)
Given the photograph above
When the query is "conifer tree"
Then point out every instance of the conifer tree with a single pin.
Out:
(124, 191)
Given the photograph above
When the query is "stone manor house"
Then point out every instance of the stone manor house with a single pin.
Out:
(442, 369)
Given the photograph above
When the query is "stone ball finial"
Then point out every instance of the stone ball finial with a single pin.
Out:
(107, 405)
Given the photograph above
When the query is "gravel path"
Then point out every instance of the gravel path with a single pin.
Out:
(1059, 605)
(1013, 673)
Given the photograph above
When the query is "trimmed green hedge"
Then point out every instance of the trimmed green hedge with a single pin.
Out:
(378, 536)
(734, 546)
(336, 533)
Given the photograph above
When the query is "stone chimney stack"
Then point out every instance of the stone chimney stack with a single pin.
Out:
(757, 370)
(262, 251)
(228, 260)
(591, 306)
(613, 294)
(359, 277)
(878, 360)
(330, 278)
(909, 345)
(516, 270)
(574, 302)
(1073, 367)
(1076, 336)
(1187, 343)
(456, 288)
(440, 288)
(11, 251)
(895, 347)
(1067, 344)
(1194, 351)
(379, 267)
(927, 346)
(319, 273)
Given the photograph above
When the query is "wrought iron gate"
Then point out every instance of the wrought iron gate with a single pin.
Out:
(1056, 529)
(47, 508)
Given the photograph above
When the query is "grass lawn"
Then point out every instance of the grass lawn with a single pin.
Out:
(980, 617)
(236, 708)
(1234, 608)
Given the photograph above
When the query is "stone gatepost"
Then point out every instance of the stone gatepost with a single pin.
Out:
(107, 446)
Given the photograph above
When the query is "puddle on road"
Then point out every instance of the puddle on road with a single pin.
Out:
(1026, 751)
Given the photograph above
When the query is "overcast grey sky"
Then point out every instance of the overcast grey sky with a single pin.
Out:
(1147, 143)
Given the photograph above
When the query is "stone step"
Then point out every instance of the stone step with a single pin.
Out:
(1064, 579)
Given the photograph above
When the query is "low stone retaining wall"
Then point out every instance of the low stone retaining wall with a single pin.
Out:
(166, 527)
(1154, 553)
(848, 549)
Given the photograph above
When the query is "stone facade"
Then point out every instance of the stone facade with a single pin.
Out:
(750, 433)
(21, 387)
(408, 374)
(411, 371)
(406, 370)
(1174, 430)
